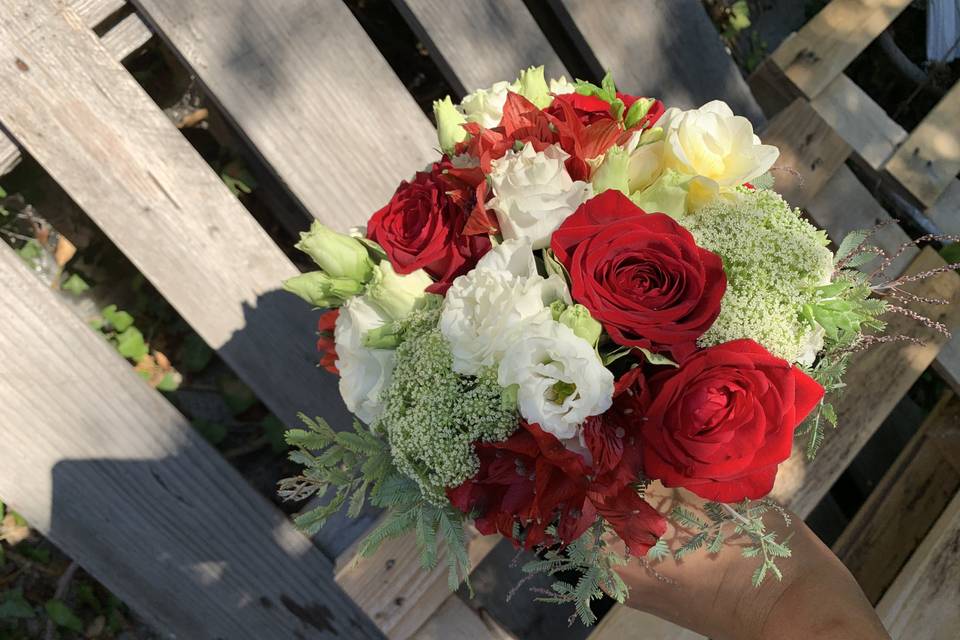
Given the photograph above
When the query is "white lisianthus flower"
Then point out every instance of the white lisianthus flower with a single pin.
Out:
(714, 143)
(485, 310)
(364, 372)
(485, 106)
(533, 193)
(396, 294)
(560, 377)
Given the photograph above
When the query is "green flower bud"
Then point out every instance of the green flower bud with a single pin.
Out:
(449, 121)
(395, 294)
(579, 319)
(637, 111)
(667, 195)
(612, 172)
(385, 337)
(321, 290)
(533, 87)
(557, 307)
(339, 255)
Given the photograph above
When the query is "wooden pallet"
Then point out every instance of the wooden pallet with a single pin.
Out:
(239, 569)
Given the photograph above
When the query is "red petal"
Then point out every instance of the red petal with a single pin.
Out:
(637, 523)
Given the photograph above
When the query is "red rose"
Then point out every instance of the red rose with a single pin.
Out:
(721, 423)
(325, 343)
(422, 228)
(640, 274)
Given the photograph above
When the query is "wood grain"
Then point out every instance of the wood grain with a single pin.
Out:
(456, 621)
(922, 603)
(810, 152)
(859, 120)
(126, 37)
(305, 85)
(640, 42)
(397, 593)
(928, 161)
(814, 56)
(905, 503)
(945, 212)
(480, 42)
(93, 12)
(95, 131)
(110, 472)
(876, 380)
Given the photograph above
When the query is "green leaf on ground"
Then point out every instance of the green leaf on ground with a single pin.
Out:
(130, 344)
(30, 252)
(196, 353)
(169, 382)
(63, 616)
(238, 396)
(119, 320)
(75, 285)
(213, 432)
(14, 605)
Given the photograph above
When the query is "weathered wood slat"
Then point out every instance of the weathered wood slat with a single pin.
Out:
(91, 126)
(304, 83)
(126, 37)
(859, 120)
(93, 12)
(810, 152)
(929, 160)
(640, 42)
(877, 379)
(480, 42)
(456, 621)
(397, 593)
(905, 503)
(108, 470)
(945, 212)
(922, 603)
(814, 56)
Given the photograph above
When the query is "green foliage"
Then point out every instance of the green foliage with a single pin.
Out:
(844, 309)
(238, 178)
(590, 557)
(274, 430)
(238, 396)
(607, 91)
(728, 521)
(951, 253)
(828, 371)
(130, 344)
(74, 284)
(358, 467)
(30, 252)
(196, 353)
(63, 616)
(14, 605)
(119, 320)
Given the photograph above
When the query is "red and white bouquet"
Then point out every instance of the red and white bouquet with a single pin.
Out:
(585, 293)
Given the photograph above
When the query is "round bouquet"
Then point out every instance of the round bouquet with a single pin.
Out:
(586, 293)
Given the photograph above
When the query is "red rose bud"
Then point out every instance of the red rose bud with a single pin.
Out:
(722, 423)
(640, 274)
(422, 228)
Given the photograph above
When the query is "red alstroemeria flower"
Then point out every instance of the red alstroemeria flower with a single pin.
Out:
(325, 343)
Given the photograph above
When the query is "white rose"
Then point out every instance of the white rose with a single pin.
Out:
(485, 106)
(485, 310)
(364, 372)
(713, 142)
(560, 377)
(533, 193)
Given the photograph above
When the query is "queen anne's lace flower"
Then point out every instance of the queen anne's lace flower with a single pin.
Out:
(773, 259)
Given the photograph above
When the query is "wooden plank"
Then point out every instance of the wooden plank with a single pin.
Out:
(945, 212)
(108, 470)
(928, 162)
(877, 379)
(640, 42)
(905, 503)
(922, 603)
(844, 205)
(91, 126)
(481, 42)
(814, 56)
(772, 88)
(859, 120)
(456, 621)
(810, 152)
(93, 12)
(129, 35)
(396, 592)
(316, 99)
